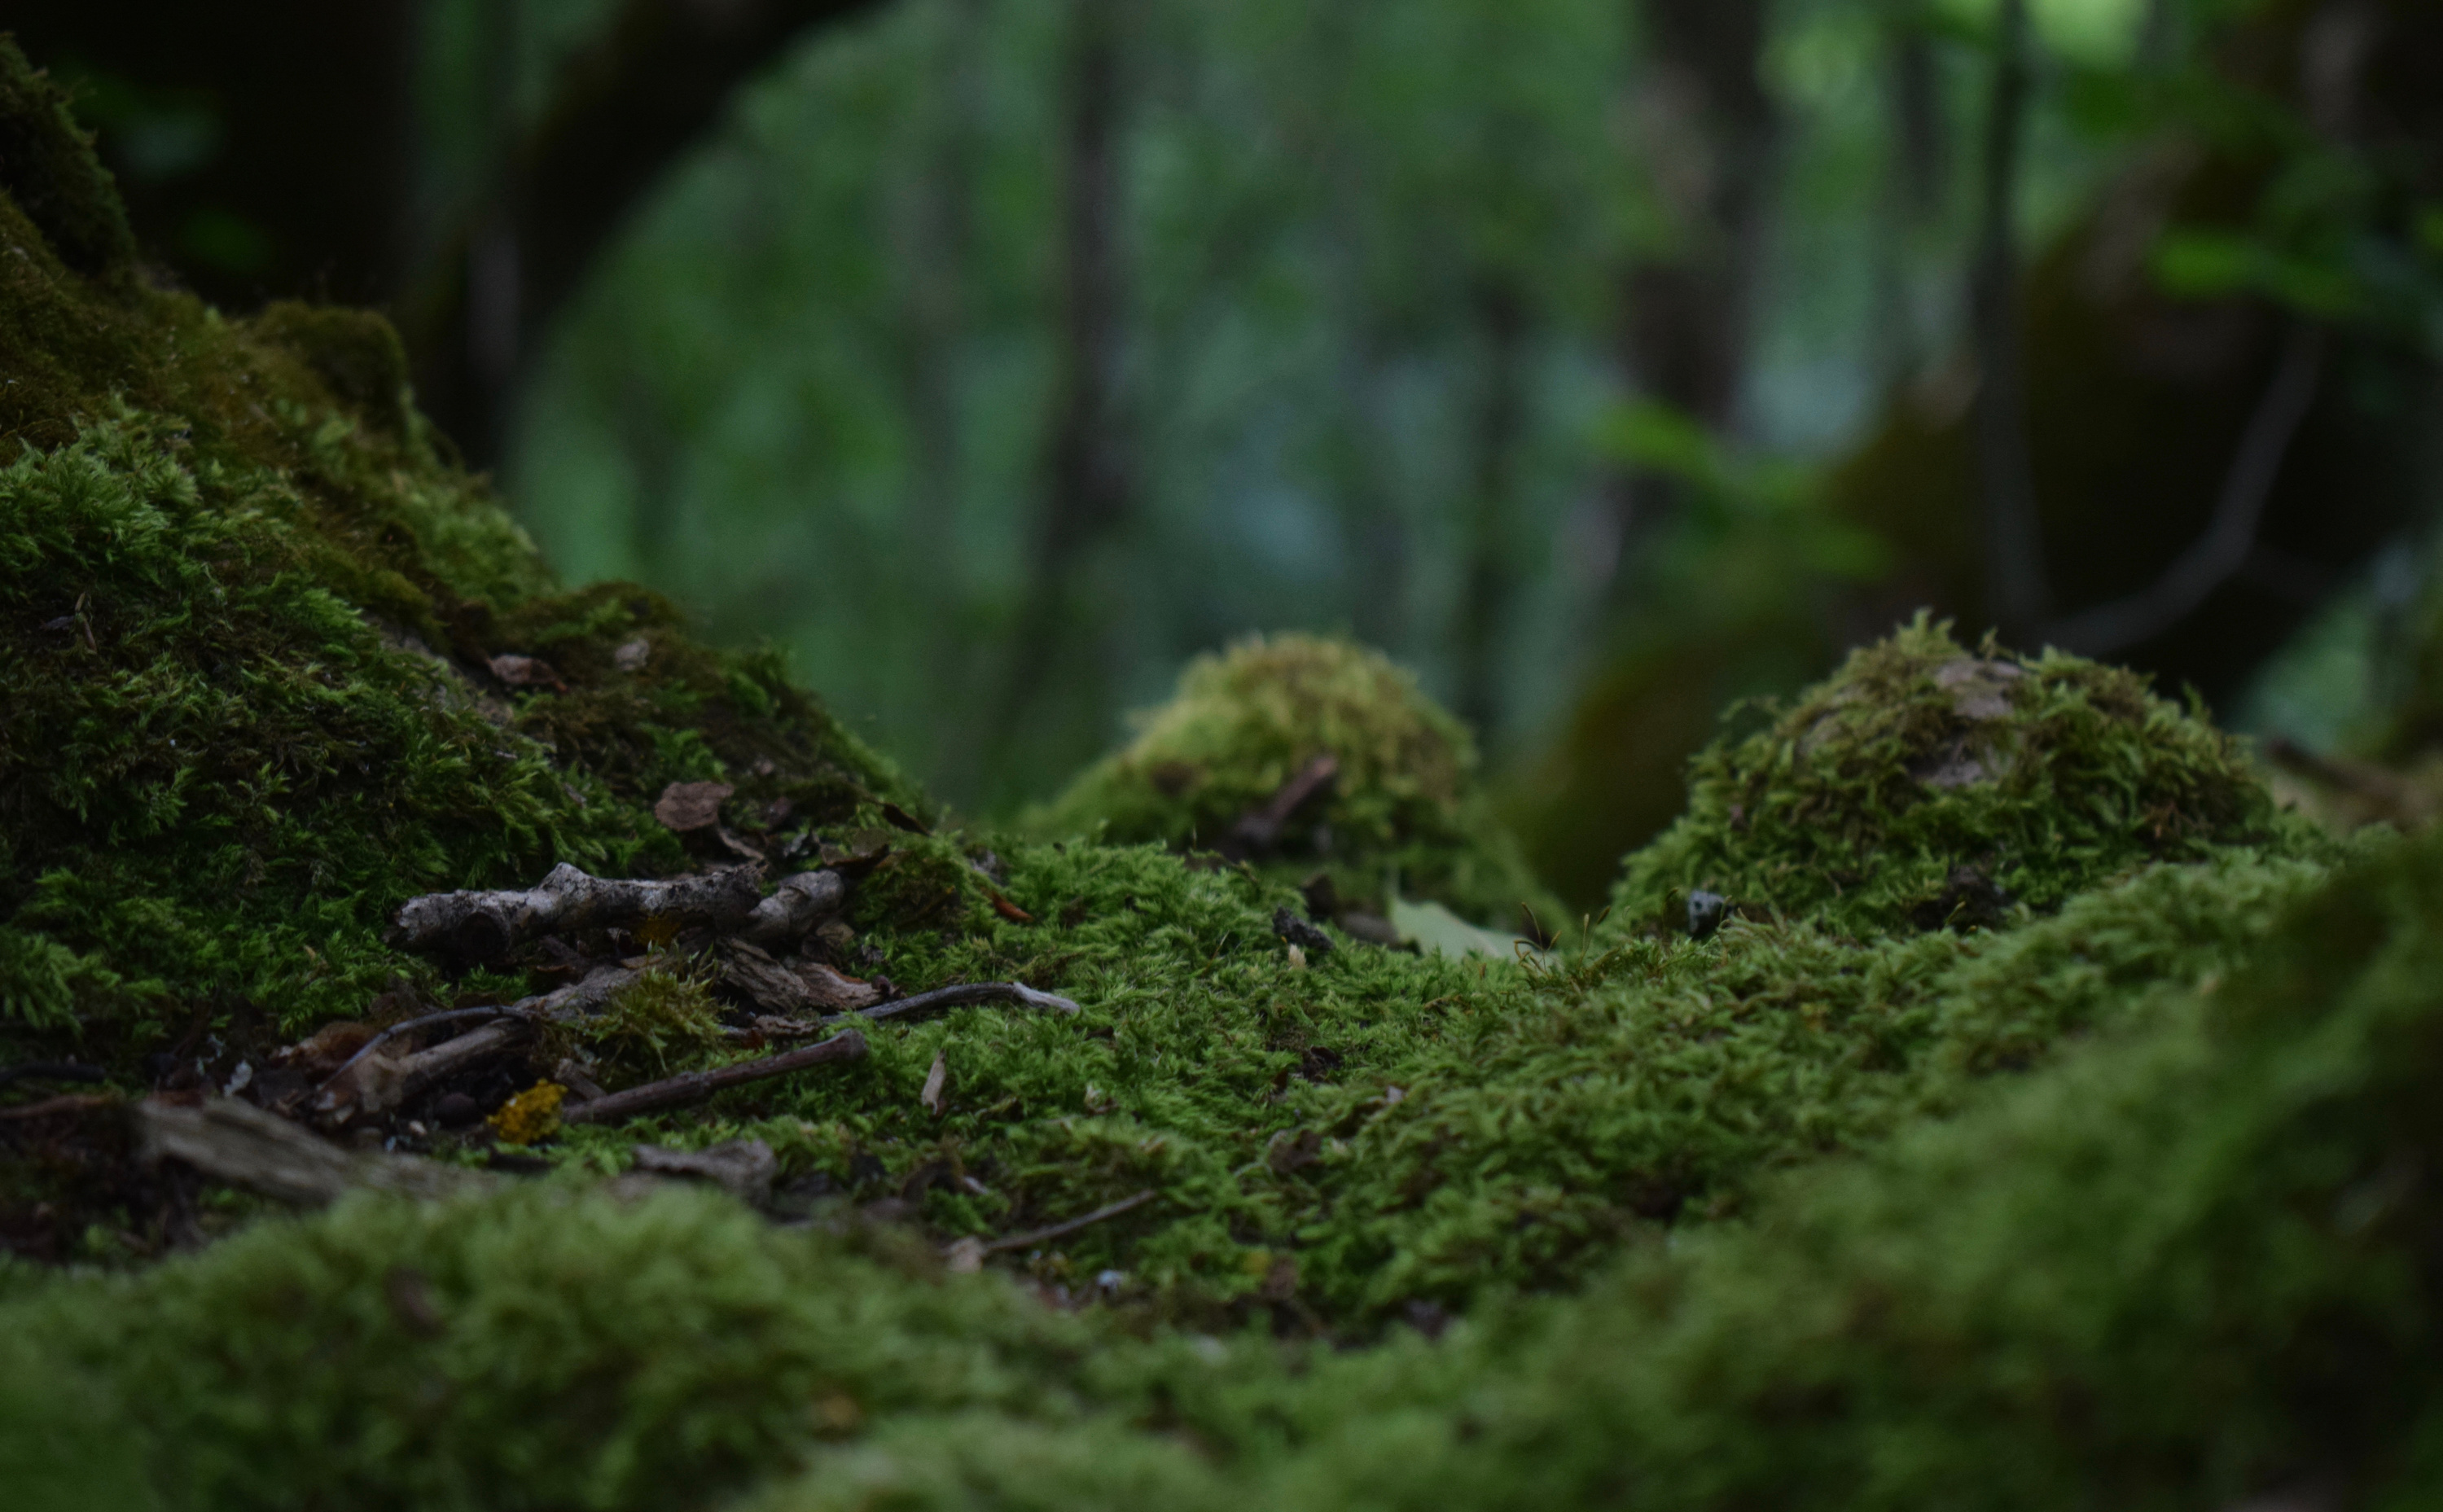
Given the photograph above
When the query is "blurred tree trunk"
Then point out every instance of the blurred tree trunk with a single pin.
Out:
(1088, 487)
(935, 230)
(1914, 174)
(1709, 133)
(1490, 590)
(2016, 580)
(623, 110)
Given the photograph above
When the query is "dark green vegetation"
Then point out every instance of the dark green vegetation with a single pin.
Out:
(2107, 1180)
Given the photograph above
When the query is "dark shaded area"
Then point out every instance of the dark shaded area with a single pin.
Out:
(263, 149)
(265, 152)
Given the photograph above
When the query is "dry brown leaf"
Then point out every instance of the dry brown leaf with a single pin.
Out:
(686, 806)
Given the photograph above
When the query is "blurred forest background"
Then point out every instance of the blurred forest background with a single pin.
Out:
(1604, 360)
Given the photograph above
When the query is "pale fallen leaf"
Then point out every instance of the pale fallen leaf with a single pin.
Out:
(1432, 927)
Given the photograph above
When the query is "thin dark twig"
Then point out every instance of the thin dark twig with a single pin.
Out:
(1062, 1230)
(52, 1071)
(59, 1102)
(1015, 993)
(2219, 555)
(694, 1086)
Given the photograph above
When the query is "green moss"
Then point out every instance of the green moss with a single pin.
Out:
(2190, 1260)
(666, 1015)
(2114, 1198)
(1927, 785)
(1404, 801)
(2190, 1267)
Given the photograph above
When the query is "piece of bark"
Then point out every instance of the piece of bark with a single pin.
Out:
(835, 990)
(694, 1086)
(798, 903)
(484, 926)
(743, 1168)
(767, 984)
(1015, 995)
(244, 1146)
(686, 806)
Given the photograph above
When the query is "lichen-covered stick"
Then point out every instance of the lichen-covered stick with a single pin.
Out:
(479, 926)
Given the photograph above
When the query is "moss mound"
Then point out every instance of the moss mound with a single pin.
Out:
(270, 664)
(1926, 785)
(1401, 798)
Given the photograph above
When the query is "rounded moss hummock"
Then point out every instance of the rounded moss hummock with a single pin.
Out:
(1300, 753)
(1925, 785)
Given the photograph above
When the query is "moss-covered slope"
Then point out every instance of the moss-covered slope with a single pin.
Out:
(249, 618)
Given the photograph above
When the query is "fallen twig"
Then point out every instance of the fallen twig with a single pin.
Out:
(245, 1146)
(694, 1086)
(1062, 1230)
(448, 1016)
(52, 1071)
(61, 1102)
(1017, 994)
(1259, 829)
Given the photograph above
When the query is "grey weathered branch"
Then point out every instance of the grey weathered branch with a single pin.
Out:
(486, 925)
(694, 1086)
(245, 1146)
(2219, 555)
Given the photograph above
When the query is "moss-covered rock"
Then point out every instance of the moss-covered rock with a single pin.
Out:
(1402, 806)
(1926, 785)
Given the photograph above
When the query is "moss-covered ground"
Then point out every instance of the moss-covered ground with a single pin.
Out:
(2044, 1117)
